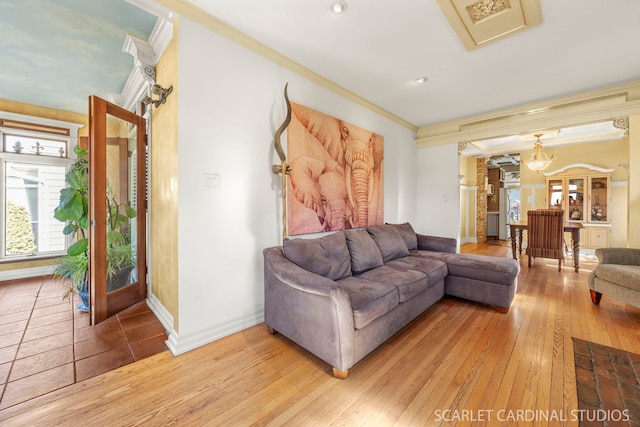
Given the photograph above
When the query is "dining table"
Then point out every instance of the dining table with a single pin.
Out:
(517, 228)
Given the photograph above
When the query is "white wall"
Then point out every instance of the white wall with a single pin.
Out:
(438, 193)
(230, 103)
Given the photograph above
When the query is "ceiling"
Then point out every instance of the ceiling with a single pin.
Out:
(57, 52)
(376, 49)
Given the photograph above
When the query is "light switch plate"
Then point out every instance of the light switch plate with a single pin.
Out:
(211, 181)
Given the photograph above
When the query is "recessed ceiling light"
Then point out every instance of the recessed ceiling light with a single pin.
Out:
(421, 80)
(338, 7)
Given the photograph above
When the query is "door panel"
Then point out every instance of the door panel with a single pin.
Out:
(117, 209)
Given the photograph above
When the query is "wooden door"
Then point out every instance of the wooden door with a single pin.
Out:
(117, 241)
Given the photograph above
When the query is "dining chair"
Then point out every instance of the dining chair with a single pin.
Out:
(545, 235)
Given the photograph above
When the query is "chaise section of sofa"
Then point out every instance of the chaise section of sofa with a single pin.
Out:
(342, 295)
(480, 278)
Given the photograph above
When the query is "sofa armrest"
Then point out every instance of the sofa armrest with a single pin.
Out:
(289, 273)
(311, 310)
(437, 244)
(624, 256)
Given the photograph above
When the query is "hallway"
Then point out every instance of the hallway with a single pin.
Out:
(47, 344)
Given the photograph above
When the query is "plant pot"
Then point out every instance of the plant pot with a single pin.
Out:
(83, 292)
(120, 279)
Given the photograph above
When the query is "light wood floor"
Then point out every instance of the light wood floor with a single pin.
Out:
(458, 356)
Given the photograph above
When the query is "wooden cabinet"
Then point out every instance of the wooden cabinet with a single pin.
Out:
(583, 192)
(597, 237)
(568, 193)
(599, 200)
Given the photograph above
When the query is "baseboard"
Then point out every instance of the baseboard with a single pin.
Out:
(24, 273)
(180, 343)
(160, 311)
(468, 240)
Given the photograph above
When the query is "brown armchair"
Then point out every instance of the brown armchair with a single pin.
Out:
(545, 235)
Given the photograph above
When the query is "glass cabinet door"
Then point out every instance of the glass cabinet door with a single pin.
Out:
(576, 187)
(598, 208)
(554, 196)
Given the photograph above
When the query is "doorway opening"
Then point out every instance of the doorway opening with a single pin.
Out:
(504, 199)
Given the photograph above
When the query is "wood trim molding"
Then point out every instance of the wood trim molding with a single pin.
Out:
(154, 8)
(579, 165)
(23, 273)
(28, 126)
(39, 124)
(163, 315)
(182, 342)
(589, 107)
(160, 37)
(200, 16)
(146, 55)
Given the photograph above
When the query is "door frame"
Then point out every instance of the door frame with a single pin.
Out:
(104, 304)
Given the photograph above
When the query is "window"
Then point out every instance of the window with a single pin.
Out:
(33, 164)
(38, 146)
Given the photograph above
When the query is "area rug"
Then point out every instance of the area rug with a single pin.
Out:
(607, 380)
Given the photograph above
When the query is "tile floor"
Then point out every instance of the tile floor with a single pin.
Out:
(47, 344)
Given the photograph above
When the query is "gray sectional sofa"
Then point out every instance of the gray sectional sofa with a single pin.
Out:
(343, 295)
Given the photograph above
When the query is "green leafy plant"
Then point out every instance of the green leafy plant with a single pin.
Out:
(73, 210)
(72, 271)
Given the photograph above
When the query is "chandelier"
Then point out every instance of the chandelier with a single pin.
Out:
(538, 160)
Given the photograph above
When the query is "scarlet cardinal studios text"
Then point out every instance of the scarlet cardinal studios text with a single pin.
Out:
(501, 415)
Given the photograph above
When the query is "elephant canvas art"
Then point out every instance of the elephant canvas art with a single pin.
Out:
(336, 173)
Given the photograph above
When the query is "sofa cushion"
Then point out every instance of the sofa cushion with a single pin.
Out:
(434, 269)
(485, 268)
(327, 256)
(623, 275)
(409, 282)
(440, 256)
(408, 235)
(369, 300)
(365, 254)
(389, 241)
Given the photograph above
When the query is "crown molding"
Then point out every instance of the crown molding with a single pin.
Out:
(202, 17)
(589, 107)
(154, 8)
(579, 165)
(146, 55)
(161, 36)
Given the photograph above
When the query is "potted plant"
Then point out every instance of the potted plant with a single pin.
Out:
(73, 209)
(121, 260)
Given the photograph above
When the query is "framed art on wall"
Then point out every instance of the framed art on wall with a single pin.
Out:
(336, 173)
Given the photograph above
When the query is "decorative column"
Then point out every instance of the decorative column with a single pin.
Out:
(143, 74)
(481, 212)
